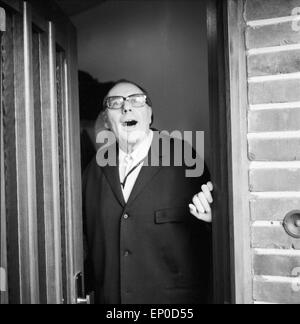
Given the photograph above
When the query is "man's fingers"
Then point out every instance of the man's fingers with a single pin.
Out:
(198, 205)
(204, 202)
(205, 217)
(207, 193)
(201, 216)
(193, 210)
(201, 203)
(210, 186)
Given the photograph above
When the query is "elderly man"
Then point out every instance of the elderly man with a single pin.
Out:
(146, 226)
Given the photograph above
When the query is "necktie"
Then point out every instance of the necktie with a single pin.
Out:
(125, 168)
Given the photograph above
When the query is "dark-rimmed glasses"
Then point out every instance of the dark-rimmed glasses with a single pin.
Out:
(135, 100)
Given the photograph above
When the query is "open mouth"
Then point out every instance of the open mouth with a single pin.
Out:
(130, 123)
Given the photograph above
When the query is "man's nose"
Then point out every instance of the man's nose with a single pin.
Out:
(126, 107)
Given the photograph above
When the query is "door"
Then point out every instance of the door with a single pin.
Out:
(223, 276)
(40, 155)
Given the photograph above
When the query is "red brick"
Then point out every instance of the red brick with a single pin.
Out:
(280, 179)
(272, 35)
(266, 9)
(272, 209)
(275, 292)
(278, 149)
(275, 265)
(274, 63)
(273, 237)
(279, 91)
(274, 120)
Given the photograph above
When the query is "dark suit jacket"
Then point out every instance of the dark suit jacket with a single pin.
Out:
(158, 253)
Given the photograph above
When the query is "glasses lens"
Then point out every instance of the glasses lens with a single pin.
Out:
(138, 100)
(114, 102)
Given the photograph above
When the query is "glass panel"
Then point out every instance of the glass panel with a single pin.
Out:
(36, 61)
(60, 87)
(9, 179)
(3, 245)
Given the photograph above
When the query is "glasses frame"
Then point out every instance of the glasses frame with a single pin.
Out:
(147, 101)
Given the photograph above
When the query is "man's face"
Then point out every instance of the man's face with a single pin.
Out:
(129, 124)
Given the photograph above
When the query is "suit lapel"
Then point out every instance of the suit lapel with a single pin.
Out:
(147, 173)
(113, 178)
(112, 175)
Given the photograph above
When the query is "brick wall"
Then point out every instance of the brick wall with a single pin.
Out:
(273, 65)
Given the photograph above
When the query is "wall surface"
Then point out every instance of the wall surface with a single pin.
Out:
(161, 45)
(272, 144)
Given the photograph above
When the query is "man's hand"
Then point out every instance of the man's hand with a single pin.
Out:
(201, 203)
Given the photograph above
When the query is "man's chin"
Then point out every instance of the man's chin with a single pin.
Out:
(129, 141)
(133, 137)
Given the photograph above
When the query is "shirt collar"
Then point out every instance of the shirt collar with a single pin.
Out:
(141, 151)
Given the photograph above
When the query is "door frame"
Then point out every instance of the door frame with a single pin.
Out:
(221, 232)
(26, 284)
(228, 122)
(237, 101)
(228, 97)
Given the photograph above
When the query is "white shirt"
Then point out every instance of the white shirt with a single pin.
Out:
(128, 161)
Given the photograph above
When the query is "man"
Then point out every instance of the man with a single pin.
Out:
(147, 234)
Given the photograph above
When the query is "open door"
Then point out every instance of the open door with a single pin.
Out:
(40, 155)
(3, 245)
(223, 276)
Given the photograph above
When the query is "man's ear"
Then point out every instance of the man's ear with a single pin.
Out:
(151, 116)
(106, 121)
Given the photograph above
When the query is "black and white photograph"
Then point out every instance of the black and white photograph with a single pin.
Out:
(149, 155)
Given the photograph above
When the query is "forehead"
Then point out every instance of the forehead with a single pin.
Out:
(124, 90)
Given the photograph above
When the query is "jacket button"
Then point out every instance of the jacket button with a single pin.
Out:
(126, 216)
(126, 253)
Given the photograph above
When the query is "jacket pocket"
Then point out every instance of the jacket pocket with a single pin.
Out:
(171, 215)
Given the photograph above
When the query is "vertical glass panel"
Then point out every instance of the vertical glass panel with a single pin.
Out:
(3, 245)
(60, 86)
(9, 180)
(36, 61)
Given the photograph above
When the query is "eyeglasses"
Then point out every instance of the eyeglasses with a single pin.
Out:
(135, 100)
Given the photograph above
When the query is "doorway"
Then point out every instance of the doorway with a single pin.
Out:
(40, 171)
(175, 49)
